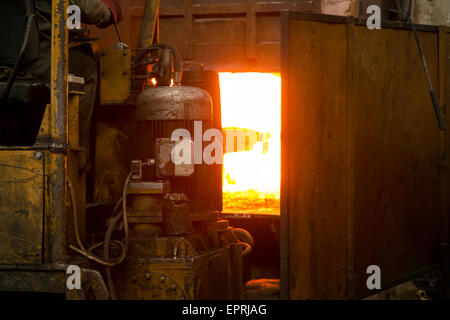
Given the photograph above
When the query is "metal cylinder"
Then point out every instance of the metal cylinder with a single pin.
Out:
(159, 112)
(174, 103)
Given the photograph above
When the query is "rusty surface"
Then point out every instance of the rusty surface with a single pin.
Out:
(59, 59)
(21, 206)
(112, 153)
(33, 198)
(173, 268)
(174, 103)
(149, 19)
(54, 134)
(52, 279)
(153, 285)
(154, 187)
(56, 222)
(93, 287)
(177, 219)
(115, 76)
(43, 137)
(145, 209)
(43, 281)
(165, 167)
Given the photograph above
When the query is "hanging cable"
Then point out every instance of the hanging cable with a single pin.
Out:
(88, 253)
(434, 99)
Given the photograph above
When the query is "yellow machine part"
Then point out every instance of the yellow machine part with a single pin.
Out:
(22, 206)
(115, 67)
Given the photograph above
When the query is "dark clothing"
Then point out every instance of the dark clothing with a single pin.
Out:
(82, 61)
(92, 12)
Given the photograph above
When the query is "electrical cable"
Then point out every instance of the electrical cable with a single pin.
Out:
(117, 31)
(409, 8)
(248, 242)
(12, 76)
(88, 253)
(248, 248)
(177, 61)
(434, 99)
(108, 235)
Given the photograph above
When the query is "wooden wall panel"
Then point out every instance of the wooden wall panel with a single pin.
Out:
(224, 35)
(314, 155)
(395, 154)
(361, 177)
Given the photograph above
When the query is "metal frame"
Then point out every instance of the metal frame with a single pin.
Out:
(57, 220)
(54, 153)
(50, 275)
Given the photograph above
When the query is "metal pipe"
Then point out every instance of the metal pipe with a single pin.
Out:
(59, 71)
(244, 236)
(177, 65)
(149, 18)
(57, 164)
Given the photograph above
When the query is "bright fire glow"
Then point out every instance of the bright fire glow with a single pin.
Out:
(251, 179)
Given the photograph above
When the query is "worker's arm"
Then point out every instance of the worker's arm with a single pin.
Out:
(97, 12)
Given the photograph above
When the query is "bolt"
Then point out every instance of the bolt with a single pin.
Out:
(174, 287)
(162, 279)
(38, 155)
(148, 276)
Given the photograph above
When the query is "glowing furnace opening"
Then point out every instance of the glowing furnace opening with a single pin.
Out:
(251, 107)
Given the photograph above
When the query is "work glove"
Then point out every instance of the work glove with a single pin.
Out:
(115, 8)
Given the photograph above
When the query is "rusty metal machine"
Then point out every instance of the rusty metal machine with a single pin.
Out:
(178, 245)
(363, 162)
(164, 238)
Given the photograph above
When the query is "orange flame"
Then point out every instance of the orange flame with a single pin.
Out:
(251, 179)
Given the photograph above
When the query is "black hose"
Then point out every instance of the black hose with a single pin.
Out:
(245, 238)
(176, 60)
(12, 76)
(149, 21)
(434, 99)
(244, 235)
(409, 8)
(89, 253)
(177, 65)
(106, 243)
